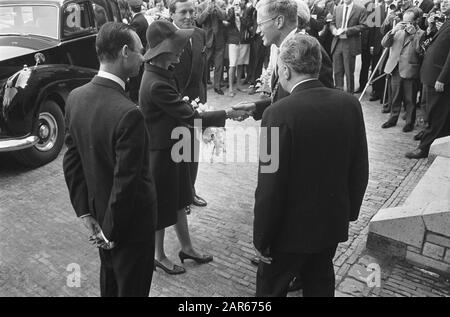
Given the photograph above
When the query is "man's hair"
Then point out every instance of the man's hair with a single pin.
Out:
(302, 53)
(286, 8)
(111, 38)
(173, 5)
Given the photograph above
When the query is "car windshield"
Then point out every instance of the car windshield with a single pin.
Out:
(29, 19)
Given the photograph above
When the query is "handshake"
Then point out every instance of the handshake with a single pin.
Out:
(240, 111)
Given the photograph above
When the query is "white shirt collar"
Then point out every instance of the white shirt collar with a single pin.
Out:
(301, 82)
(112, 77)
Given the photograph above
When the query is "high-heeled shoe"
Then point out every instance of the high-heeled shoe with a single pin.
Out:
(176, 268)
(203, 259)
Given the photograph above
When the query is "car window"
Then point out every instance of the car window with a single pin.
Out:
(75, 19)
(29, 19)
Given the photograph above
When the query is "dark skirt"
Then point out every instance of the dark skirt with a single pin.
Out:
(173, 186)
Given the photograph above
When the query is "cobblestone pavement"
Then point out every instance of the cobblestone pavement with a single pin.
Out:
(40, 236)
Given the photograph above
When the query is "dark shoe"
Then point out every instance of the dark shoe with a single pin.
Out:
(374, 98)
(419, 136)
(295, 285)
(219, 91)
(359, 90)
(385, 110)
(199, 201)
(209, 82)
(204, 259)
(176, 268)
(252, 91)
(255, 261)
(388, 124)
(408, 127)
(417, 154)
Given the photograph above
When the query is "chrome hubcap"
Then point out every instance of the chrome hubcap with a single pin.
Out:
(48, 132)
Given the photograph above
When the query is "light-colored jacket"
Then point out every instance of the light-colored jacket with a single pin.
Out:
(404, 52)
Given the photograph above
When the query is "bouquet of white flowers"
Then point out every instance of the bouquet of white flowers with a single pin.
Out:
(213, 139)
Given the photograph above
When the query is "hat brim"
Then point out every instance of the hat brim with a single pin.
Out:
(174, 44)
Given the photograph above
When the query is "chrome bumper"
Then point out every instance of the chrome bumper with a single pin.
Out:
(9, 145)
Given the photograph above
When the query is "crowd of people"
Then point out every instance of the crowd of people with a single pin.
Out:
(236, 54)
(125, 184)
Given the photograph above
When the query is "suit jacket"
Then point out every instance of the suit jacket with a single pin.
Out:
(306, 205)
(404, 51)
(139, 24)
(164, 108)
(436, 63)
(191, 72)
(212, 23)
(325, 77)
(242, 35)
(106, 166)
(356, 23)
(316, 24)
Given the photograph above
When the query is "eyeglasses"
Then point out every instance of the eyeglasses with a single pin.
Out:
(265, 21)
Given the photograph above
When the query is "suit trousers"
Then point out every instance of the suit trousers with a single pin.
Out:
(403, 91)
(315, 270)
(368, 60)
(216, 52)
(258, 53)
(344, 64)
(127, 270)
(438, 116)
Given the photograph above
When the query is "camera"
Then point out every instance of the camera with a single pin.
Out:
(439, 17)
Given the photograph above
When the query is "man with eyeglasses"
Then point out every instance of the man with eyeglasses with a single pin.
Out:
(276, 21)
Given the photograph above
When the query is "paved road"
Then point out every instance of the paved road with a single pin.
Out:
(40, 236)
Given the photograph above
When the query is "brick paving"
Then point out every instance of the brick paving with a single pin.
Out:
(40, 236)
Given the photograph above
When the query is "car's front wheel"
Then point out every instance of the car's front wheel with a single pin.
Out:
(51, 137)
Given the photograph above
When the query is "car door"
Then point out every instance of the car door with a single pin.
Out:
(78, 31)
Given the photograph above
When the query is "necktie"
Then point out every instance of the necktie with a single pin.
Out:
(189, 48)
(344, 23)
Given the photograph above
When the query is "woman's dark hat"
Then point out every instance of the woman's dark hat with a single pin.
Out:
(164, 37)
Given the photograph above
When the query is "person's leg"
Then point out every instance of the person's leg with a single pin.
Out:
(318, 274)
(349, 69)
(182, 231)
(338, 67)
(410, 89)
(272, 280)
(365, 65)
(377, 86)
(438, 116)
(396, 98)
(108, 283)
(218, 65)
(239, 72)
(133, 266)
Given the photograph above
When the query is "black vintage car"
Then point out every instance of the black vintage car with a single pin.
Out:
(47, 48)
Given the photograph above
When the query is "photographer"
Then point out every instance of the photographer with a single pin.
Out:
(403, 66)
(211, 16)
(395, 13)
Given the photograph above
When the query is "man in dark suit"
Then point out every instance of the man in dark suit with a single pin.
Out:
(275, 27)
(435, 77)
(211, 17)
(348, 22)
(191, 72)
(139, 24)
(107, 167)
(371, 48)
(303, 207)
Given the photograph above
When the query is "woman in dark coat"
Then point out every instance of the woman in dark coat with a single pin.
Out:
(165, 110)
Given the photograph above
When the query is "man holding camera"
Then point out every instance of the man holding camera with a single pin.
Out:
(403, 66)
(435, 76)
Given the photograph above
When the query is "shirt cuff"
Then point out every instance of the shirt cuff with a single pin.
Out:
(84, 216)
